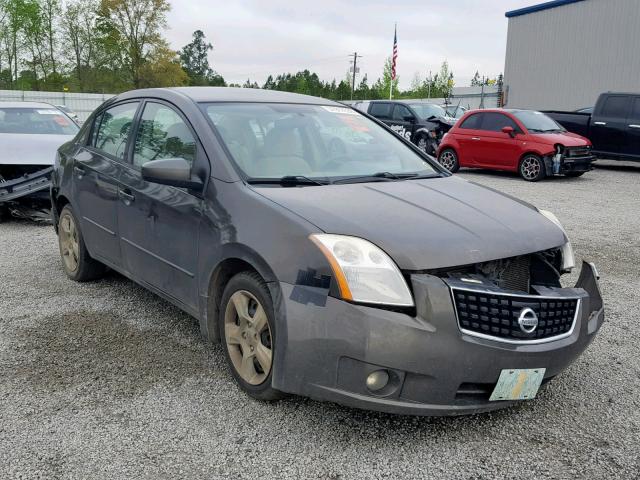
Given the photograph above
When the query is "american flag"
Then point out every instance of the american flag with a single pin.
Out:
(394, 57)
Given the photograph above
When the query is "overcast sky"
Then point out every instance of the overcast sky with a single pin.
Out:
(253, 38)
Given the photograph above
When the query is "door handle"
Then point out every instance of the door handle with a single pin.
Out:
(633, 125)
(126, 196)
(79, 171)
(599, 123)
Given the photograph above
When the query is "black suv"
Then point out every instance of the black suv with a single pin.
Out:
(422, 123)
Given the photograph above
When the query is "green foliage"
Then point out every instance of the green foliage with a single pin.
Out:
(194, 58)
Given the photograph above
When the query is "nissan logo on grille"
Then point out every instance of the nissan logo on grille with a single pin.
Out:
(528, 320)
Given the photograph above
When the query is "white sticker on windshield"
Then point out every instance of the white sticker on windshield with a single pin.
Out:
(340, 110)
(48, 112)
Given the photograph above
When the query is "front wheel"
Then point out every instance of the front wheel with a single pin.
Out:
(76, 261)
(247, 329)
(423, 143)
(532, 168)
(449, 160)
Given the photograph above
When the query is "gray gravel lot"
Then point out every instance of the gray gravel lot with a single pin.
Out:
(105, 380)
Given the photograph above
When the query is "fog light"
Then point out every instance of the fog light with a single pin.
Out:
(377, 380)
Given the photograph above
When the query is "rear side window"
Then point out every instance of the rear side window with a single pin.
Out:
(495, 122)
(163, 134)
(472, 122)
(617, 107)
(113, 129)
(381, 110)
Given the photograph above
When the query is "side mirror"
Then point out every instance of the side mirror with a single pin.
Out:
(509, 131)
(171, 171)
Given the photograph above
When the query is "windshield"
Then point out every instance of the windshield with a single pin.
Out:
(46, 121)
(311, 141)
(537, 122)
(427, 110)
(455, 111)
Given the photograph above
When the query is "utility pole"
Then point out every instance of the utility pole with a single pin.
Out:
(355, 70)
(430, 80)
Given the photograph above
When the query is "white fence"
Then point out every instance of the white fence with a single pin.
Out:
(81, 103)
(470, 97)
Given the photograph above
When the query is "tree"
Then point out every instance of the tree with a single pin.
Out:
(162, 69)
(194, 58)
(475, 81)
(136, 25)
(386, 80)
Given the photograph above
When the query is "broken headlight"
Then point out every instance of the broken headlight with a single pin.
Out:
(568, 260)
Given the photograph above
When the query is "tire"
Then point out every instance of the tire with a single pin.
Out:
(575, 174)
(423, 143)
(531, 168)
(249, 338)
(448, 158)
(76, 261)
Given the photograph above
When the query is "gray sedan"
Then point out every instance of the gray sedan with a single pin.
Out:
(331, 257)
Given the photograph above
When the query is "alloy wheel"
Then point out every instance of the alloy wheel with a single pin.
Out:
(422, 144)
(69, 244)
(530, 168)
(248, 337)
(448, 159)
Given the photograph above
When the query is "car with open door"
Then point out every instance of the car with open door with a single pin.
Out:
(523, 141)
(330, 256)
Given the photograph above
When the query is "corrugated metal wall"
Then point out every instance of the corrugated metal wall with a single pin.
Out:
(81, 103)
(564, 57)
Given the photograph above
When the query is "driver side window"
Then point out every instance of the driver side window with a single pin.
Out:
(162, 134)
(400, 112)
(112, 133)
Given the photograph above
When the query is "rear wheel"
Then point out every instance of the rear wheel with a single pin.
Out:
(532, 168)
(76, 261)
(247, 329)
(449, 160)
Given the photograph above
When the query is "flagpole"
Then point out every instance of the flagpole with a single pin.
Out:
(393, 51)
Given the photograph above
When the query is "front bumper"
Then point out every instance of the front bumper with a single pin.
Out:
(569, 164)
(329, 347)
(33, 185)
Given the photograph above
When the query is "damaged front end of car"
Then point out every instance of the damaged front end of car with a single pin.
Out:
(24, 191)
(569, 160)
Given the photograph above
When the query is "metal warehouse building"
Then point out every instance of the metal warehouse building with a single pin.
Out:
(562, 54)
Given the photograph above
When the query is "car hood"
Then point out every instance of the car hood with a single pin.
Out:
(425, 224)
(30, 149)
(567, 139)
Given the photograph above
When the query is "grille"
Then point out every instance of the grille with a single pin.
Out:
(578, 151)
(496, 314)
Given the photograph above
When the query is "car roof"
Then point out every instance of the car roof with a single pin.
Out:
(231, 94)
(25, 105)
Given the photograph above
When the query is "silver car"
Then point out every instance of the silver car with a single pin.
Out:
(30, 134)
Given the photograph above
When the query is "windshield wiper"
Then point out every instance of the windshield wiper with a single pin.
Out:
(287, 180)
(384, 177)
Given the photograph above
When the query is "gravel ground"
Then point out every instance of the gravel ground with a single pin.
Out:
(105, 380)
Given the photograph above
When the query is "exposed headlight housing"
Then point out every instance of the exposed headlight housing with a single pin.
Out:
(363, 272)
(568, 260)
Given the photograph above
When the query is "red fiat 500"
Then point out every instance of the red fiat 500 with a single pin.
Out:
(523, 141)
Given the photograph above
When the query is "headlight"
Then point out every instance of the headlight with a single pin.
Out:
(364, 273)
(568, 261)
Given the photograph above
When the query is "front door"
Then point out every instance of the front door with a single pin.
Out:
(498, 149)
(401, 122)
(632, 144)
(159, 223)
(96, 168)
(608, 129)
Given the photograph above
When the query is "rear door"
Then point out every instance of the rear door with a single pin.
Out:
(96, 168)
(468, 135)
(159, 223)
(498, 149)
(382, 111)
(632, 144)
(608, 129)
